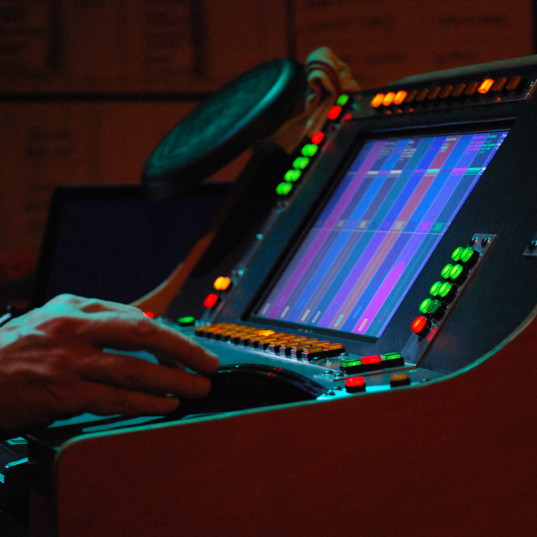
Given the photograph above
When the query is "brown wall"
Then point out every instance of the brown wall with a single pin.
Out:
(69, 70)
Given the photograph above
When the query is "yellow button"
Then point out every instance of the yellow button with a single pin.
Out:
(222, 283)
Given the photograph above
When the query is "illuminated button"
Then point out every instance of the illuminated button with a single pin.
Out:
(266, 333)
(393, 359)
(457, 273)
(430, 306)
(420, 326)
(372, 362)
(343, 99)
(458, 90)
(388, 98)
(283, 189)
(309, 150)
(222, 283)
(447, 291)
(333, 349)
(211, 300)
(469, 256)
(317, 138)
(334, 112)
(456, 254)
(301, 163)
(351, 365)
(311, 353)
(355, 384)
(446, 271)
(149, 314)
(186, 321)
(400, 97)
(399, 379)
(485, 86)
(377, 100)
(435, 288)
(292, 176)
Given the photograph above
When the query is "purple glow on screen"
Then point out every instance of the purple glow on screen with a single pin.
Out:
(373, 237)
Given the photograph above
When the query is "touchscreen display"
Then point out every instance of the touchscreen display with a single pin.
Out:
(369, 243)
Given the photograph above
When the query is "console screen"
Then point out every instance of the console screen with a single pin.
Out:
(369, 243)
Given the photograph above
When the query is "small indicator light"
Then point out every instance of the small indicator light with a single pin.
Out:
(309, 150)
(149, 314)
(469, 255)
(186, 321)
(283, 189)
(317, 138)
(343, 99)
(373, 359)
(435, 288)
(400, 97)
(222, 283)
(446, 291)
(388, 98)
(265, 333)
(456, 255)
(399, 379)
(485, 86)
(456, 272)
(355, 384)
(446, 271)
(425, 306)
(334, 112)
(393, 359)
(211, 300)
(292, 176)
(377, 100)
(300, 163)
(420, 326)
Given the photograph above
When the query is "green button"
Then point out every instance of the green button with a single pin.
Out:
(309, 150)
(445, 289)
(301, 163)
(283, 189)
(343, 99)
(186, 321)
(455, 271)
(435, 288)
(468, 254)
(457, 253)
(446, 271)
(292, 176)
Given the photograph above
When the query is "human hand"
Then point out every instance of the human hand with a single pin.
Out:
(53, 364)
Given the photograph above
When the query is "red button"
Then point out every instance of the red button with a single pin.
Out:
(355, 384)
(211, 300)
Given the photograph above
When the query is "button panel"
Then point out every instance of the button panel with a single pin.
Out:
(434, 96)
(445, 293)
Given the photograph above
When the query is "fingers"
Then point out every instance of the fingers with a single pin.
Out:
(140, 375)
(128, 332)
(104, 400)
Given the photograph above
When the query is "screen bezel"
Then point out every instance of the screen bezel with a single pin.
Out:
(299, 213)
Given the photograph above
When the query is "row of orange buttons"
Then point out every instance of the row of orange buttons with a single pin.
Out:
(284, 344)
(435, 93)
